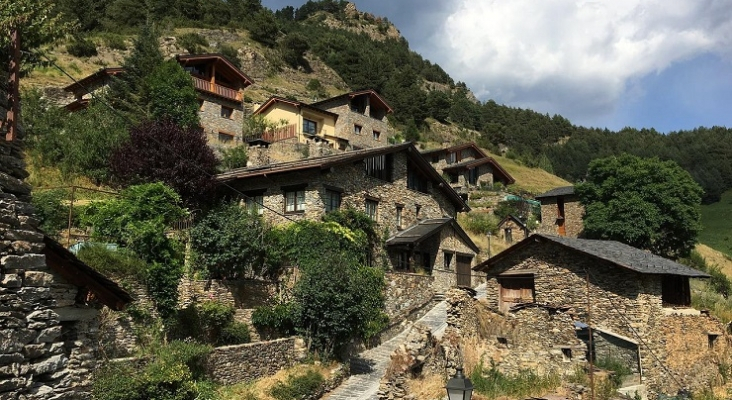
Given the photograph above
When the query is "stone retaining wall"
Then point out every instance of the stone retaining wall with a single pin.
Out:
(405, 293)
(229, 365)
(238, 293)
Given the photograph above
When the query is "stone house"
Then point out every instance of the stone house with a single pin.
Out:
(636, 305)
(466, 166)
(511, 228)
(298, 120)
(561, 212)
(362, 118)
(394, 185)
(218, 83)
(351, 121)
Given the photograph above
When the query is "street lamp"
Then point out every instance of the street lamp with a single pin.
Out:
(459, 387)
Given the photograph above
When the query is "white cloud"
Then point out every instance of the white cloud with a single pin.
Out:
(577, 58)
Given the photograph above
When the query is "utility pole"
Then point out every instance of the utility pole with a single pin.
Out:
(14, 84)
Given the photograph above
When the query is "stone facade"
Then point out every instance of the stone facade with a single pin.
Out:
(229, 365)
(572, 218)
(466, 167)
(48, 326)
(237, 293)
(406, 293)
(675, 345)
(363, 130)
(511, 230)
(355, 187)
(222, 128)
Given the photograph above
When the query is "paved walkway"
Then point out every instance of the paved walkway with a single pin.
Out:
(370, 366)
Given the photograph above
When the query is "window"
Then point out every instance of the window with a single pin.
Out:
(372, 207)
(711, 339)
(417, 209)
(332, 200)
(453, 178)
(515, 289)
(357, 129)
(377, 135)
(566, 354)
(226, 112)
(254, 204)
(473, 176)
(450, 158)
(310, 127)
(448, 260)
(415, 180)
(508, 235)
(226, 137)
(379, 167)
(358, 105)
(295, 200)
(399, 210)
(675, 291)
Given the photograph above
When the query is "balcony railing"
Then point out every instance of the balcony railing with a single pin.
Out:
(277, 134)
(210, 87)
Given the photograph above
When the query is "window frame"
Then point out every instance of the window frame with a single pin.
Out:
(399, 216)
(370, 205)
(294, 200)
(330, 195)
(376, 135)
(226, 112)
(447, 256)
(357, 129)
(307, 123)
(225, 137)
(255, 203)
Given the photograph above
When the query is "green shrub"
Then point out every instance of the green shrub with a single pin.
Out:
(235, 333)
(230, 53)
(114, 41)
(233, 157)
(277, 318)
(493, 383)
(81, 47)
(478, 222)
(174, 372)
(192, 42)
(297, 386)
(617, 367)
(110, 261)
(51, 211)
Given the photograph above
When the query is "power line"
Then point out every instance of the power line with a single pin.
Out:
(160, 143)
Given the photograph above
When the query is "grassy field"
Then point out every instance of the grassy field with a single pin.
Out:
(716, 222)
(532, 180)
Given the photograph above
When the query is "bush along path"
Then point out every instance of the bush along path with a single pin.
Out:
(369, 367)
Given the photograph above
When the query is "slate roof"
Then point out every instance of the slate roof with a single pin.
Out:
(326, 162)
(470, 164)
(297, 104)
(560, 191)
(425, 229)
(457, 147)
(514, 219)
(373, 95)
(620, 254)
(73, 270)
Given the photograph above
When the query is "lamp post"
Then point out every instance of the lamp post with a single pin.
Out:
(459, 387)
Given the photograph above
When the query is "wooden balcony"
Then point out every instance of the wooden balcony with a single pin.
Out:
(215, 89)
(276, 135)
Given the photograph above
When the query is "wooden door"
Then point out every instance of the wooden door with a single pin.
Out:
(515, 290)
(463, 270)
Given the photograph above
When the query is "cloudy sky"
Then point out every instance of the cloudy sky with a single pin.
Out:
(665, 64)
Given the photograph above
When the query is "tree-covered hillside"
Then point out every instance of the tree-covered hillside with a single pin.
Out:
(359, 47)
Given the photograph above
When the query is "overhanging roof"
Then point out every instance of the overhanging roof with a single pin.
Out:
(330, 161)
(373, 98)
(560, 191)
(427, 228)
(79, 274)
(619, 254)
(294, 103)
(514, 219)
(84, 83)
(230, 69)
(468, 165)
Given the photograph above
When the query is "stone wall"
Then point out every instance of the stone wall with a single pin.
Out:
(573, 214)
(213, 123)
(406, 293)
(247, 362)
(609, 347)
(47, 346)
(237, 293)
(518, 233)
(347, 119)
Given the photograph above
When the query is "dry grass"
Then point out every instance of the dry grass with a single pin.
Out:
(715, 257)
(259, 389)
(532, 180)
(427, 387)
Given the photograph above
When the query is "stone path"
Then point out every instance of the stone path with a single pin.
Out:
(369, 367)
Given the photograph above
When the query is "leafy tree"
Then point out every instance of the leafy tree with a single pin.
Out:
(232, 243)
(646, 203)
(171, 95)
(337, 297)
(233, 157)
(128, 93)
(138, 220)
(50, 210)
(293, 48)
(38, 22)
(263, 28)
(162, 151)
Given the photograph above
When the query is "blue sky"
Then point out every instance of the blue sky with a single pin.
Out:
(663, 64)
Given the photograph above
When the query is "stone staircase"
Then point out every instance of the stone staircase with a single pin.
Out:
(369, 367)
